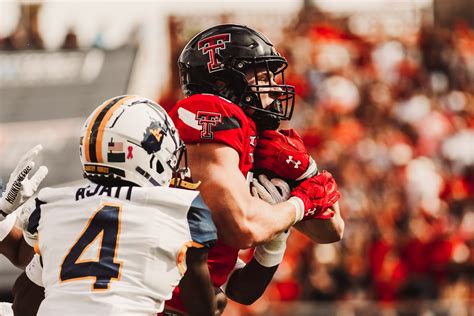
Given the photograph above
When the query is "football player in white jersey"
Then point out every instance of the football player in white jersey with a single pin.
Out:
(119, 244)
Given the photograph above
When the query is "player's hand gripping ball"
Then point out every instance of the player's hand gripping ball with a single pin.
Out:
(317, 195)
(283, 154)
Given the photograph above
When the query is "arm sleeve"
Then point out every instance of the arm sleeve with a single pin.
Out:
(239, 264)
(201, 226)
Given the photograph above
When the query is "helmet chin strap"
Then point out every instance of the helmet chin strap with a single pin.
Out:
(265, 121)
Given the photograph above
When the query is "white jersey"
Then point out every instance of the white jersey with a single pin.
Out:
(116, 250)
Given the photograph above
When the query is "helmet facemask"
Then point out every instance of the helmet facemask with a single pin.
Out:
(179, 162)
(256, 94)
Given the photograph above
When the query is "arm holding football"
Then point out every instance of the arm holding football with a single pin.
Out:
(317, 199)
(247, 284)
(284, 153)
(242, 220)
(324, 231)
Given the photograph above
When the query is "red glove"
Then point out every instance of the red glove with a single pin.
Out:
(314, 196)
(284, 153)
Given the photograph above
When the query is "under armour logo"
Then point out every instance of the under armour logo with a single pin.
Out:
(211, 46)
(311, 212)
(290, 160)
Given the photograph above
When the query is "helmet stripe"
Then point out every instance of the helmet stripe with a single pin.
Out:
(87, 135)
(96, 128)
(103, 123)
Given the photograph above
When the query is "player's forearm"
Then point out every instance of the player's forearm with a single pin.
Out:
(25, 254)
(197, 292)
(246, 285)
(242, 220)
(10, 246)
(253, 221)
(323, 231)
(267, 221)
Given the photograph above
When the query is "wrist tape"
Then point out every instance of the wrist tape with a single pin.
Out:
(299, 208)
(271, 253)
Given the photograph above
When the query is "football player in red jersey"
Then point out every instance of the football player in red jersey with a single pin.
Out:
(234, 82)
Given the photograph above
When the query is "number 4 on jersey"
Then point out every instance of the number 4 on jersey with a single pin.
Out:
(104, 224)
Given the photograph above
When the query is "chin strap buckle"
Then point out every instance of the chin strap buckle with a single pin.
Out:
(186, 183)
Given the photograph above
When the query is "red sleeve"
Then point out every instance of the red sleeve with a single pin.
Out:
(209, 119)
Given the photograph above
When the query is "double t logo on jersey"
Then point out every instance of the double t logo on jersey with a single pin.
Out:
(211, 46)
(207, 120)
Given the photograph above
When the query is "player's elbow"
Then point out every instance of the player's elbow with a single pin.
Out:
(243, 236)
(337, 232)
(337, 236)
(240, 230)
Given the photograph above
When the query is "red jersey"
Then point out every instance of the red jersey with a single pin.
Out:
(207, 118)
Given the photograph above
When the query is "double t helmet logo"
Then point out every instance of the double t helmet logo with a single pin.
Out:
(211, 46)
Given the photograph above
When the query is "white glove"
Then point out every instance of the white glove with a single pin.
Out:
(272, 191)
(20, 187)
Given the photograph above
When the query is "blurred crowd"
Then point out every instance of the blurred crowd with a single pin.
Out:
(393, 119)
